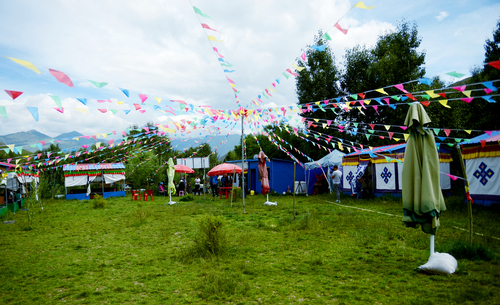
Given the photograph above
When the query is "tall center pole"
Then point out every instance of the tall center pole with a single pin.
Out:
(242, 163)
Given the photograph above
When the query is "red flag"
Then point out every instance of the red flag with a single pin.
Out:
(495, 64)
(13, 94)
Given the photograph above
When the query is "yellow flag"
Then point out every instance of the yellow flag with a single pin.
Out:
(210, 37)
(271, 89)
(396, 139)
(432, 94)
(105, 135)
(25, 63)
(348, 148)
(359, 108)
(406, 136)
(98, 144)
(387, 127)
(317, 120)
(317, 103)
(444, 103)
(82, 110)
(360, 4)
(467, 93)
(298, 68)
(158, 99)
(381, 90)
(76, 138)
(368, 102)
(119, 103)
(468, 131)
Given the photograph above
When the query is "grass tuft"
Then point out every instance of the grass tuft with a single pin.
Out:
(476, 252)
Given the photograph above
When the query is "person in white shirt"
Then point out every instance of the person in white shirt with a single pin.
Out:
(336, 176)
(197, 186)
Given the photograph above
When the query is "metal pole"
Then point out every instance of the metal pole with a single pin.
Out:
(242, 163)
(204, 178)
(469, 203)
(102, 183)
(294, 164)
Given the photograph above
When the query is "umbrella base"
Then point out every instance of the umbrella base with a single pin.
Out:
(172, 202)
(270, 203)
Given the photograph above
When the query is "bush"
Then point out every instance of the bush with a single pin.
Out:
(99, 202)
(186, 198)
(210, 239)
(237, 192)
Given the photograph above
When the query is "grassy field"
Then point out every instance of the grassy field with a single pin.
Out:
(146, 253)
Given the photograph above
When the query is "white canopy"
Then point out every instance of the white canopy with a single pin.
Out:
(333, 158)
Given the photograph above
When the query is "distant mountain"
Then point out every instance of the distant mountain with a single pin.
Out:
(24, 138)
(225, 143)
(27, 138)
(33, 137)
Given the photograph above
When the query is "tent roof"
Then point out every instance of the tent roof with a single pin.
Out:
(495, 136)
(92, 166)
(333, 158)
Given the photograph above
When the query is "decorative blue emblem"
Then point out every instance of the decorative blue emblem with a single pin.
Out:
(350, 177)
(386, 175)
(483, 173)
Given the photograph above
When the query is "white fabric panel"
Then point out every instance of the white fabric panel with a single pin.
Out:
(348, 172)
(386, 176)
(484, 176)
(112, 178)
(75, 181)
(444, 180)
(400, 176)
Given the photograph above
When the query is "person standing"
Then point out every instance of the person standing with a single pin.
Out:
(197, 185)
(336, 176)
(214, 181)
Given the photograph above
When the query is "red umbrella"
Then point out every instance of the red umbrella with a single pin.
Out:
(263, 173)
(224, 168)
(180, 168)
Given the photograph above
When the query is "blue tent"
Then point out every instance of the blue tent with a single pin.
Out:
(280, 174)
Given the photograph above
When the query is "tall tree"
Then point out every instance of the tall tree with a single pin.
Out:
(319, 81)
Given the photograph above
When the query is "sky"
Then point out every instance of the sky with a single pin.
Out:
(159, 48)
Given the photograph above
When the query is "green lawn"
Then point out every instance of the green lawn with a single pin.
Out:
(139, 254)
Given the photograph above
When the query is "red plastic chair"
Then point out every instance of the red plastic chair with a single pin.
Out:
(135, 194)
(148, 193)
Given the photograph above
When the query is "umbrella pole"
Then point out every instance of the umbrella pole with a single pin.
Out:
(243, 163)
(432, 244)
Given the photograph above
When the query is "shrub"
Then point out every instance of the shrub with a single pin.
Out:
(210, 240)
(237, 192)
(186, 198)
(99, 202)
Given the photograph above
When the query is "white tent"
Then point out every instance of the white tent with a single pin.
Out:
(328, 161)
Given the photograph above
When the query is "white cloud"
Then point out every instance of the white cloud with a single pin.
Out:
(442, 15)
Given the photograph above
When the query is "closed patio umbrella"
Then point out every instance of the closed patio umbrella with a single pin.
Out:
(264, 177)
(423, 201)
(170, 175)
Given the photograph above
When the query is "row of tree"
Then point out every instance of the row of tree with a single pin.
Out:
(394, 59)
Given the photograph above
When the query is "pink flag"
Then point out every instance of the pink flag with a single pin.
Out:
(290, 71)
(337, 25)
(205, 26)
(303, 56)
(61, 110)
(376, 109)
(460, 88)
(216, 51)
(142, 111)
(467, 99)
(143, 97)
(61, 77)
(103, 110)
(179, 101)
(137, 106)
(401, 87)
(451, 176)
